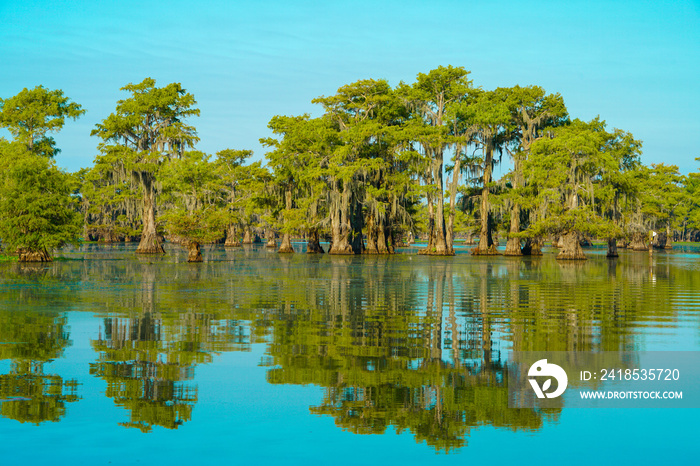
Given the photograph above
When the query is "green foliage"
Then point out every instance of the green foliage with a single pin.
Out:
(485, 120)
(254, 197)
(298, 160)
(32, 113)
(575, 169)
(109, 203)
(150, 122)
(231, 171)
(432, 93)
(194, 187)
(147, 128)
(201, 226)
(662, 194)
(37, 210)
(192, 179)
(532, 110)
(433, 100)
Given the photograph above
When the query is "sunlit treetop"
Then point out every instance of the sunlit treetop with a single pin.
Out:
(152, 119)
(32, 113)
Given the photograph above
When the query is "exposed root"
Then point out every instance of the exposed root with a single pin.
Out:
(28, 255)
(342, 251)
(150, 245)
(490, 251)
(638, 243)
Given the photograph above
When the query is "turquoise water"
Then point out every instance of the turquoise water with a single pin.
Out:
(256, 357)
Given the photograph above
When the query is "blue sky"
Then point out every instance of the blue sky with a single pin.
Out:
(634, 63)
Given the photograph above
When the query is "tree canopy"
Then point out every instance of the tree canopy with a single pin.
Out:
(367, 175)
(31, 114)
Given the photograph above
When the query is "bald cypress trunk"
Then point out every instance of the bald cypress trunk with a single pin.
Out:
(391, 241)
(346, 238)
(513, 243)
(339, 243)
(340, 233)
(356, 224)
(571, 249)
(431, 227)
(286, 245)
(612, 247)
(383, 239)
(371, 247)
(232, 240)
(271, 242)
(454, 186)
(194, 252)
(313, 242)
(248, 236)
(441, 247)
(669, 238)
(486, 246)
(533, 246)
(150, 243)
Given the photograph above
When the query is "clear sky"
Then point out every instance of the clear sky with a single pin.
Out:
(634, 63)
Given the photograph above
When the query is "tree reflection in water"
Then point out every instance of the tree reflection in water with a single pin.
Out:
(425, 349)
(31, 340)
(149, 348)
(414, 344)
(400, 356)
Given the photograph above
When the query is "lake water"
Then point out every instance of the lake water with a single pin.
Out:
(257, 358)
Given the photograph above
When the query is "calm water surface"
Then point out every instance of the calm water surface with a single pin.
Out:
(254, 357)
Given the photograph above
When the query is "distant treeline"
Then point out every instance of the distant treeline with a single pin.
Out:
(383, 165)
